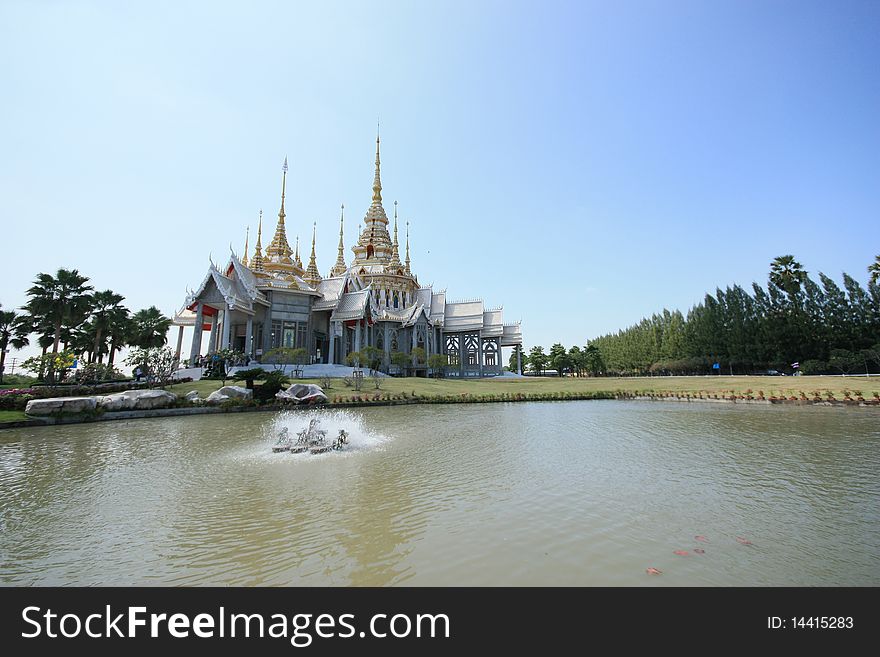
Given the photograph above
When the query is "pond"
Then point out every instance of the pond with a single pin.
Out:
(538, 493)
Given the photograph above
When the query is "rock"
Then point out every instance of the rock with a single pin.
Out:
(137, 400)
(229, 392)
(192, 395)
(60, 404)
(303, 393)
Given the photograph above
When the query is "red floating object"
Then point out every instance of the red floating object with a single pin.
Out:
(699, 551)
(681, 553)
(653, 571)
(702, 539)
(743, 541)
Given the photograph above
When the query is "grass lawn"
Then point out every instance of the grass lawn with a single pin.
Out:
(770, 385)
(12, 416)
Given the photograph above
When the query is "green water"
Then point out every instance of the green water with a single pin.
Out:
(568, 493)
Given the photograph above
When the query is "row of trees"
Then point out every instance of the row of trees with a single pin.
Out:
(373, 357)
(580, 361)
(821, 326)
(66, 314)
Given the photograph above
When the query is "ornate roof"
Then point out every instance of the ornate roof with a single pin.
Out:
(492, 323)
(512, 335)
(463, 316)
(352, 305)
(331, 290)
(438, 306)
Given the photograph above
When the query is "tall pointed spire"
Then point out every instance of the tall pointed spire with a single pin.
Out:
(407, 248)
(247, 234)
(374, 243)
(296, 259)
(313, 276)
(279, 250)
(395, 252)
(257, 261)
(377, 181)
(339, 268)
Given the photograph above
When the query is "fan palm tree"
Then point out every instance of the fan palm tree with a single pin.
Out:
(103, 306)
(874, 270)
(14, 330)
(61, 300)
(119, 328)
(149, 328)
(787, 274)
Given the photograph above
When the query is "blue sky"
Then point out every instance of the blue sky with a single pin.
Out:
(583, 164)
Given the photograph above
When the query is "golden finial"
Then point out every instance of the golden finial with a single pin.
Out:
(395, 251)
(407, 247)
(339, 267)
(377, 182)
(283, 186)
(296, 256)
(257, 260)
(313, 277)
(279, 249)
(247, 234)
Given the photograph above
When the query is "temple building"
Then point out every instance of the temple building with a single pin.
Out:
(265, 300)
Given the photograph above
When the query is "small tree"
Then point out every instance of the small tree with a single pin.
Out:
(249, 376)
(54, 367)
(160, 364)
(438, 363)
(401, 360)
(558, 358)
(281, 357)
(537, 359)
(354, 359)
(272, 384)
(372, 357)
(418, 356)
(843, 360)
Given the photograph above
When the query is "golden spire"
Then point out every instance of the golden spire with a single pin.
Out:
(247, 234)
(377, 182)
(296, 255)
(407, 248)
(339, 268)
(395, 253)
(313, 276)
(257, 260)
(279, 250)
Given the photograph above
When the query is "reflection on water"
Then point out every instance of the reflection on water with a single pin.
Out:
(488, 494)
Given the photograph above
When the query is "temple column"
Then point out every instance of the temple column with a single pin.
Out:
(519, 359)
(331, 357)
(212, 340)
(357, 336)
(386, 344)
(461, 354)
(179, 343)
(196, 348)
(227, 325)
(248, 347)
(480, 353)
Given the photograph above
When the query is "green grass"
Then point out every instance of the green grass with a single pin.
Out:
(720, 385)
(12, 416)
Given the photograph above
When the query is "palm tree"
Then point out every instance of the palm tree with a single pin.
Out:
(14, 330)
(103, 306)
(119, 328)
(149, 328)
(787, 274)
(874, 270)
(61, 300)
